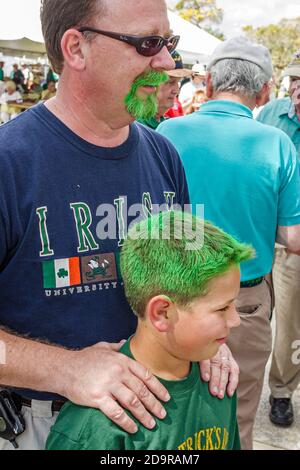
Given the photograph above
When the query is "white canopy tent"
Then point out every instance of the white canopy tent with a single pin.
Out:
(23, 46)
(196, 45)
(20, 33)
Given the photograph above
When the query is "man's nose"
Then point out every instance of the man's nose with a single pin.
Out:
(175, 90)
(163, 61)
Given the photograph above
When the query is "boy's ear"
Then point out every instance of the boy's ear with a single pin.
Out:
(159, 311)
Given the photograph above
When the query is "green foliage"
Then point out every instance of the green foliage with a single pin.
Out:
(202, 13)
(282, 39)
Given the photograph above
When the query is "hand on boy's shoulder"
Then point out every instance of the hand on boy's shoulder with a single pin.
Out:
(222, 373)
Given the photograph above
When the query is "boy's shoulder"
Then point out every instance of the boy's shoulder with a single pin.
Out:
(79, 427)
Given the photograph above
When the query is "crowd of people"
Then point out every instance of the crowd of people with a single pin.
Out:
(113, 288)
(23, 85)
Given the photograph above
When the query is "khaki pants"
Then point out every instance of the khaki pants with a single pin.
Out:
(285, 370)
(251, 345)
(39, 419)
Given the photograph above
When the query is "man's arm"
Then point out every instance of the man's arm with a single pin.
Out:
(289, 237)
(97, 377)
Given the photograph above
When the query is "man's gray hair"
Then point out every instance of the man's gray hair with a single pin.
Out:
(238, 76)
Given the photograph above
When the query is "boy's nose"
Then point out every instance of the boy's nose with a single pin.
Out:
(234, 319)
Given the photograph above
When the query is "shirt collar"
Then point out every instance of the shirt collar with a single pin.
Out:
(227, 107)
(285, 106)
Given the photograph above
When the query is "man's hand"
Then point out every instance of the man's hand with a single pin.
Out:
(100, 377)
(222, 373)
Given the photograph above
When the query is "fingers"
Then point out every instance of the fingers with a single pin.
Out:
(233, 378)
(135, 393)
(223, 372)
(130, 401)
(205, 370)
(144, 395)
(224, 377)
(134, 399)
(215, 377)
(234, 370)
(115, 413)
(151, 382)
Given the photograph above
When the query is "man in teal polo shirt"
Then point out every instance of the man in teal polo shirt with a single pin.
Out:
(247, 176)
(285, 371)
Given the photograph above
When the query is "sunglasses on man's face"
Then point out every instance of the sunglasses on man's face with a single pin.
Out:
(147, 46)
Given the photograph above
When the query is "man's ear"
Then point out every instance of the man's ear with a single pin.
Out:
(263, 97)
(71, 46)
(209, 85)
(159, 312)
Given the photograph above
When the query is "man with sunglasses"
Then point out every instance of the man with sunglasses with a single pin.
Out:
(76, 168)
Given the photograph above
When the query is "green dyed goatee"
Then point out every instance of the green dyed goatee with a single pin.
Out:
(144, 107)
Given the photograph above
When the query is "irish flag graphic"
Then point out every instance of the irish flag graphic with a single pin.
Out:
(61, 273)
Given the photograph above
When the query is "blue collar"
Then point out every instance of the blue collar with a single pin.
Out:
(286, 105)
(227, 107)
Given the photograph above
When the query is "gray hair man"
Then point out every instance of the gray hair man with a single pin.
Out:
(284, 375)
(247, 176)
(67, 162)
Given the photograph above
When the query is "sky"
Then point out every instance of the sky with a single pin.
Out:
(237, 13)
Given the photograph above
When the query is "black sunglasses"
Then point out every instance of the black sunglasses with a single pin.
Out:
(145, 45)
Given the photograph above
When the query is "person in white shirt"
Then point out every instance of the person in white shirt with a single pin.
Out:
(8, 111)
(197, 82)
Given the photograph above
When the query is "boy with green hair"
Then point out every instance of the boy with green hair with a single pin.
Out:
(181, 277)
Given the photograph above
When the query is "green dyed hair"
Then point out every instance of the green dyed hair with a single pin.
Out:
(176, 254)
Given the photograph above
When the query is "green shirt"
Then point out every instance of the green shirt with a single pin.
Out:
(276, 113)
(1, 75)
(195, 421)
(152, 122)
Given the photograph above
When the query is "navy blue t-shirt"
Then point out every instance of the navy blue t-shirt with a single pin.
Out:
(59, 197)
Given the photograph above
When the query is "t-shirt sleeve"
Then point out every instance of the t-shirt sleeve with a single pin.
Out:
(80, 428)
(289, 193)
(59, 441)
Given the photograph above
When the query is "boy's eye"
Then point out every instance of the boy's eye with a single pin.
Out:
(224, 309)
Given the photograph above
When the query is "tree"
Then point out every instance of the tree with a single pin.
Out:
(202, 13)
(282, 39)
